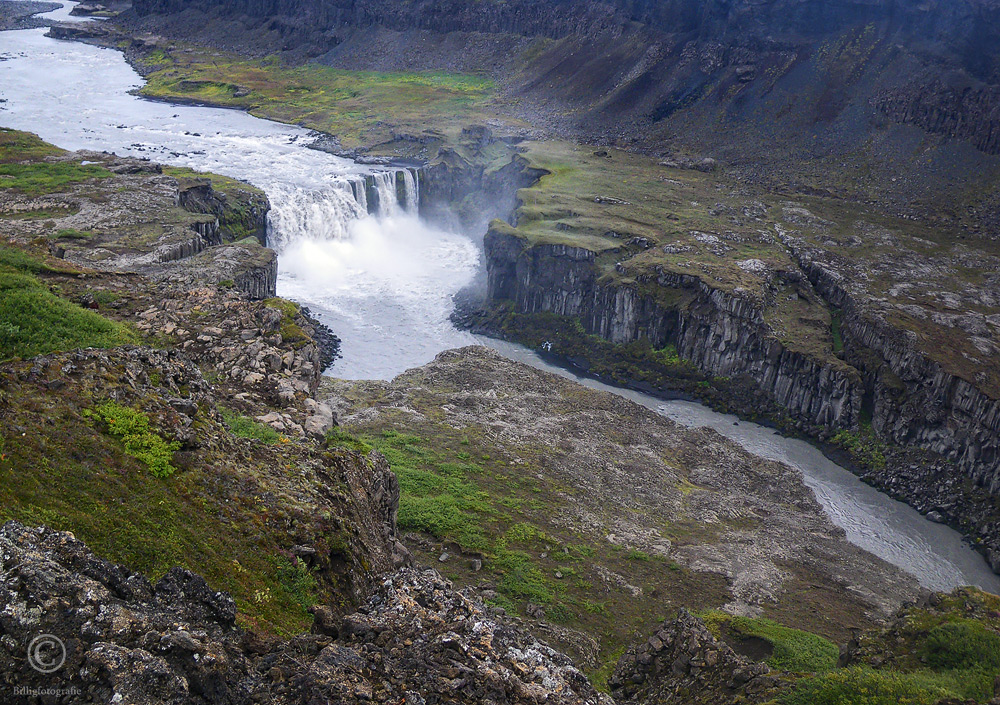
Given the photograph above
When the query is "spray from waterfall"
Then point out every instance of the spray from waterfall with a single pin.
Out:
(384, 280)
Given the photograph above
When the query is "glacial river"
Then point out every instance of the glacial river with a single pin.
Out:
(384, 283)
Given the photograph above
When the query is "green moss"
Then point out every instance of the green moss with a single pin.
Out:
(299, 583)
(360, 107)
(793, 649)
(962, 644)
(245, 427)
(12, 258)
(521, 578)
(341, 438)
(289, 309)
(860, 685)
(39, 178)
(131, 427)
(439, 501)
(864, 446)
(20, 146)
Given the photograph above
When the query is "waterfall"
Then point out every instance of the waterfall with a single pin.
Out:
(360, 189)
(326, 214)
(394, 192)
(299, 213)
(385, 189)
(411, 191)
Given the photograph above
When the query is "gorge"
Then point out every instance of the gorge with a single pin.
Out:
(666, 273)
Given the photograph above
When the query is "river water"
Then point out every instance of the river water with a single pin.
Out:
(384, 281)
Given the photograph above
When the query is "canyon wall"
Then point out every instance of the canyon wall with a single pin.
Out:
(722, 334)
(914, 402)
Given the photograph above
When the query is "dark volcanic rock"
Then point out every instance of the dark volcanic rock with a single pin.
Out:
(722, 333)
(684, 663)
(123, 640)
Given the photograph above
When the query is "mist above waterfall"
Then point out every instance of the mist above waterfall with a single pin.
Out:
(385, 287)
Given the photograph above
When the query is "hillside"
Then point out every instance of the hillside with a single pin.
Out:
(893, 103)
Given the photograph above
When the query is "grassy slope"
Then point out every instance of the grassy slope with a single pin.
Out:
(62, 463)
(947, 649)
(460, 487)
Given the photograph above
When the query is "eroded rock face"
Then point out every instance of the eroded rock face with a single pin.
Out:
(723, 333)
(126, 640)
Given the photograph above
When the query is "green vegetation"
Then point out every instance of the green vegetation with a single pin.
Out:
(299, 583)
(792, 649)
(436, 496)
(132, 428)
(291, 331)
(245, 427)
(860, 685)
(21, 146)
(962, 644)
(72, 476)
(864, 446)
(40, 178)
(359, 107)
(521, 578)
(491, 502)
(244, 203)
(342, 439)
(951, 650)
(34, 321)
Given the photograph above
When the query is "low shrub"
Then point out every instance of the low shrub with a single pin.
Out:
(131, 427)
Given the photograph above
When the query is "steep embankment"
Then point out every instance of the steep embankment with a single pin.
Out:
(125, 639)
(152, 451)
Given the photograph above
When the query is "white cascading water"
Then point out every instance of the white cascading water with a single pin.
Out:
(299, 213)
(379, 277)
(322, 214)
(412, 191)
(385, 190)
(360, 190)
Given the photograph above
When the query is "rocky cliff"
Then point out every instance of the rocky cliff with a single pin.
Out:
(167, 223)
(722, 333)
(113, 636)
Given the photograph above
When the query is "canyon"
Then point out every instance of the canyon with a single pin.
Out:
(786, 210)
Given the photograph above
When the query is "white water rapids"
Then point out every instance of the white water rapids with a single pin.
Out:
(384, 281)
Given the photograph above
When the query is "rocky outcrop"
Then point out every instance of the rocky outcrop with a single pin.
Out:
(914, 401)
(237, 217)
(969, 112)
(193, 230)
(106, 634)
(683, 662)
(723, 333)
(465, 185)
